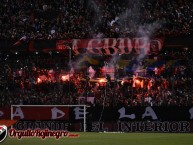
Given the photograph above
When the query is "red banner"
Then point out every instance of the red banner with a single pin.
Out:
(40, 113)
(112, 46)
(62, 45)
(5, 113)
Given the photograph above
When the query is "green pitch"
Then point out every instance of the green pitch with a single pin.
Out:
(110, 139)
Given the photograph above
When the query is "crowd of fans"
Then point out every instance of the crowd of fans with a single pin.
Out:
(48, 78)
(59, 19)
(32, 79)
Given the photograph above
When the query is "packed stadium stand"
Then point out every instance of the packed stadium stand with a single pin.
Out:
(56, 77)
